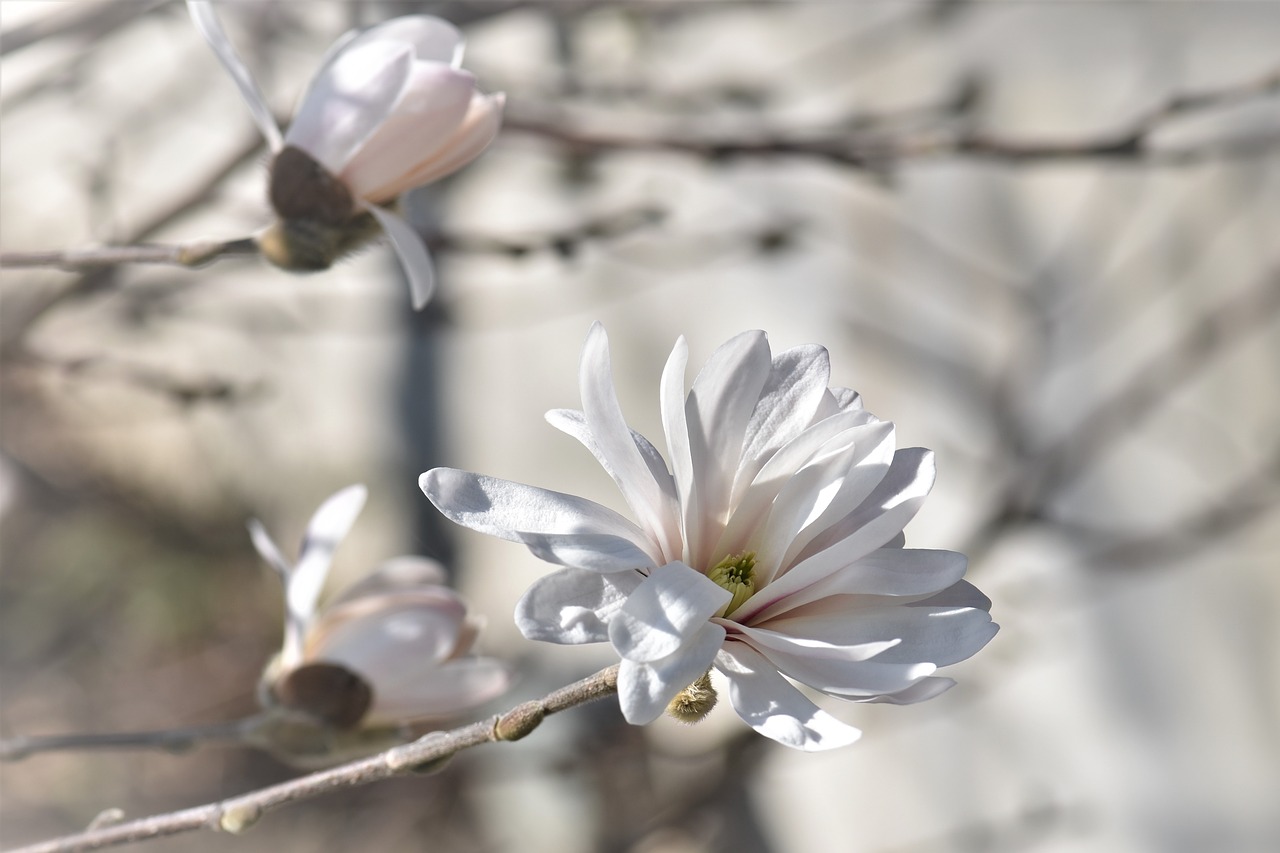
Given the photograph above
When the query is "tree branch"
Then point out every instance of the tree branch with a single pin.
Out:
(194, 254)
(239, 813)
(167, 740)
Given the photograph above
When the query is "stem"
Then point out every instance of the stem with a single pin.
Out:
(169, 740)
(239, 813)
(194, 254)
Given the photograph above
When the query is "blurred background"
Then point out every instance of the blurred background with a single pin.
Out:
(1042, 237)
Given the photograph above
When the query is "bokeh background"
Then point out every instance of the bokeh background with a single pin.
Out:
(1042, 237)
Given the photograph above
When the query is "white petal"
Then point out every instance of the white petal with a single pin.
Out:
(510, 510)
(935, 630)
(675, 425)
(599, 552)
(841, 670)
(661, 615)
(645, 689)
(473, 135)
(268, 550)
(788, 402)
(772, 706)
(886, 571)
(427, 115)
(347, 101)
(433, 39)
(206, 21)
(326, 530)
(420, 689)
(574, 423)
(646, 495)
(387, 631)
(396, 574)
(573, 606)
(719, 406)
(412, 252)
(921, 691)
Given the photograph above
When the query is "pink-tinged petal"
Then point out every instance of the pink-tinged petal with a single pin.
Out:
(430, 110)
(478, 129)
(652, 504)
(598, 552)
(788, 402)
(755, 503)
(840, 670)
(773, 707)
(941, 629)
(887, 571)
(326, 530)
(393, 627)
(921, 691)
(433, 39)
(509, 510)
(664, 612)
(412, 252)
(207, 23)
(719, 406)
(645, 689)
(573, 606)
(420, 690)
(348, 100)
(395, 575)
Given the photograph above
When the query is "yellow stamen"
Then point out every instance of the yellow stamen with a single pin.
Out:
(735, 573)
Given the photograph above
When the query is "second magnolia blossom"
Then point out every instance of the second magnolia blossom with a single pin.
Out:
(396, 647)
(389, 109)
(770, 546)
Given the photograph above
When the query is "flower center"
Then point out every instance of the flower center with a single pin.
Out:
(735, 573)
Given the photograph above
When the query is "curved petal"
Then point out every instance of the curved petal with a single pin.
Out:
(390, 630)
(478, 129)
(348, 100)
(664, 612)
(268, 550)
(325, 532)
(573, 606)
(510, 510)
(425, 118)
(645, 689)
(598, 552)
(921, 691)
(855, 669)
(622, 458)
(433, 39)
(719, 406)
(788, 403)
(207, 23)
(676, 427)
(574, 423)
(773, 707)
(420, 689)
(412, 252)
(395, 575)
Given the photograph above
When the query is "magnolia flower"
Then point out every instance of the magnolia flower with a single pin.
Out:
(394, 647)
(771, 546)
(389, 110)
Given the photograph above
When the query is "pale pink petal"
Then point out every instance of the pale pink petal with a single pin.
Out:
(347, 102)
(773, 707)
(433, 39)
(412, 252)
(663, 612)
(478, 128)
(645, 689)
(429, 112)
(207, 23)
(396, 574)
(572, 606)
(418, 689)
(365, 634)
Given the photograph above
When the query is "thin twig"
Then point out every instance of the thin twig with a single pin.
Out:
(239, 813)
(876, 149)
(167, 740)
(194, 254)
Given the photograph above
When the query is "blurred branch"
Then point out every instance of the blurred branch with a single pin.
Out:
(874, 150)
(184, 392)
(168, 740)
(239, 813)
(77, 20)
(194, 254)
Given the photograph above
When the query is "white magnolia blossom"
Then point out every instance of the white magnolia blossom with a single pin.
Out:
(390, 109)
(772, 546)
(394, 647)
